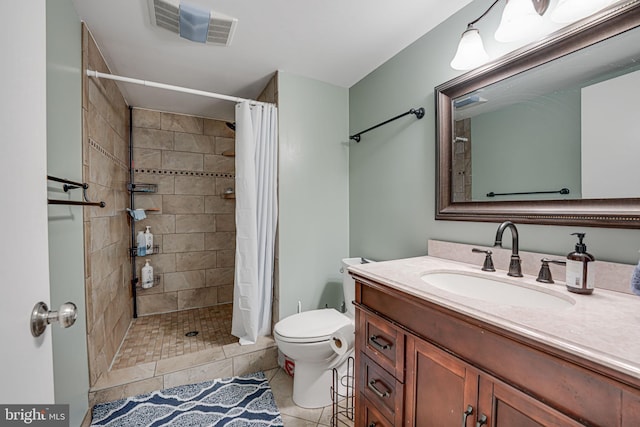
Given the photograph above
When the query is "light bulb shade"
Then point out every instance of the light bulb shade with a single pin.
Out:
(519, 20)
(568, 11)
(470, 53)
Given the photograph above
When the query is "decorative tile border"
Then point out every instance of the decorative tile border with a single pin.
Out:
(96, 146)
(184, 173)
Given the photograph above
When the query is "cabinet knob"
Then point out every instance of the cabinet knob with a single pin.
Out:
(372, 424)
(372, 386)
(374, 339)
(481, 421)
(466, 414)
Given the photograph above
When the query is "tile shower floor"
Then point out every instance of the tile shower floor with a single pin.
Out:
(161, 336)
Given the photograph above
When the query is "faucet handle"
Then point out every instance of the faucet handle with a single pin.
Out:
(488, 262)
(544, 275)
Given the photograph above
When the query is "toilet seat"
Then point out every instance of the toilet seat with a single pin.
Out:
(311, 326)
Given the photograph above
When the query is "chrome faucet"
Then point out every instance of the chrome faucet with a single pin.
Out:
(515, 268)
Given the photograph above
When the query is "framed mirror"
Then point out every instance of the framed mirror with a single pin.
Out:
(548, 134)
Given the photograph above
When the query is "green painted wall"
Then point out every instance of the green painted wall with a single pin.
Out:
(530, 146)
(392, 171)
(313, 234)
(66, 244)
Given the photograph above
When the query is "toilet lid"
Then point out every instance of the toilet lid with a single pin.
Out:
(311, 326)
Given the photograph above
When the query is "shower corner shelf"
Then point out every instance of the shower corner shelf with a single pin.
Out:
(156, 282)
(133, 252)
(229, 196)
(229, 153)
(142, 188)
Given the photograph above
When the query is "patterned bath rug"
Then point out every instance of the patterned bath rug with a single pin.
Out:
(233, 402)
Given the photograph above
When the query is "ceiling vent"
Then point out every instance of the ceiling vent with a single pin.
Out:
(166, 14)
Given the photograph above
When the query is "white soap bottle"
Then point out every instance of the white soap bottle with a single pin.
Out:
(149, 240)
(147, 275)
(141, 241)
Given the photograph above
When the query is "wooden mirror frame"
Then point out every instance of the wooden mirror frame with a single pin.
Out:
(617, 213)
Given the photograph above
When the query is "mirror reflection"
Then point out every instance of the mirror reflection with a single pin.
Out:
(568, 129)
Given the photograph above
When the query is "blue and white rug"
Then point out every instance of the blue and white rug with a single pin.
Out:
(235, 402)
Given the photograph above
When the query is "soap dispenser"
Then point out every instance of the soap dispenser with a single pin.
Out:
(147, 275)
(580, 268)
(149, 240)
(141, 244)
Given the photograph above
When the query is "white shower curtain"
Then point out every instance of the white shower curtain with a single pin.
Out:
(256, 219)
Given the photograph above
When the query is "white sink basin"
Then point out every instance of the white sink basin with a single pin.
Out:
(496, 291)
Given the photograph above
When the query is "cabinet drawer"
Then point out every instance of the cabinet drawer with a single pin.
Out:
(384, 343)
(369, 415)
(381, 389)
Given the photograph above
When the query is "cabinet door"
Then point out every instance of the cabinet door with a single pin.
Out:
(505, 406)
(441, 390)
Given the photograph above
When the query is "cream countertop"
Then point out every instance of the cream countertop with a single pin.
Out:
(603, 327)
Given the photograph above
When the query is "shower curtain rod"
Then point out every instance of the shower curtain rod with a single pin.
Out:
(97, 74)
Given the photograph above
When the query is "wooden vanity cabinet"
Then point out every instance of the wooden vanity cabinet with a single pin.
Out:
(430, 365)
(442, 390)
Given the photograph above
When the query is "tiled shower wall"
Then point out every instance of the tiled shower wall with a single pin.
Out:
(105, 145)
(192, 222)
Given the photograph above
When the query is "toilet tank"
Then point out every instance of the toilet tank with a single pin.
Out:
(349, 285)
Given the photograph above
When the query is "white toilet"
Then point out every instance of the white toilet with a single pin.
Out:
(306, 339)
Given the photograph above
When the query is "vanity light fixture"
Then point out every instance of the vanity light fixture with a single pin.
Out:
(520, 19)
(471, 53)
(572, 10)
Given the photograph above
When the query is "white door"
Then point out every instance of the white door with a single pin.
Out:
(26, 366)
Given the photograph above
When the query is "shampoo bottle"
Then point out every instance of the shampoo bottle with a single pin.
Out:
(141, 244)
(147, 275)
(580, 268)
(149, 240)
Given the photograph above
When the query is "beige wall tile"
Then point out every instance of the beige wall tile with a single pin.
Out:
(225, 293)
(146, 118)
(174, 364)
(182, 161)
(193, 298)
(219, 241)
(152, 138)
(225, 144)
(226, 258)
(160, 224)
(195, 261)
(127, 390)
(146, 158)
(224, 183)
(261, 360)
(207, 372)
(194, 143)
(218, 204)
(226, 222)
(161, 303)
(184, 280)
(189, 242)
(220, 164)
(181, 123)
(220, 276)
(162, 263)
(195, 223)
(217, 128)
(178, 204)
(196, 185)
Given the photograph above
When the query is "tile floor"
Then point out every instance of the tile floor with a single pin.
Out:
(162, 336)
(294, 416)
